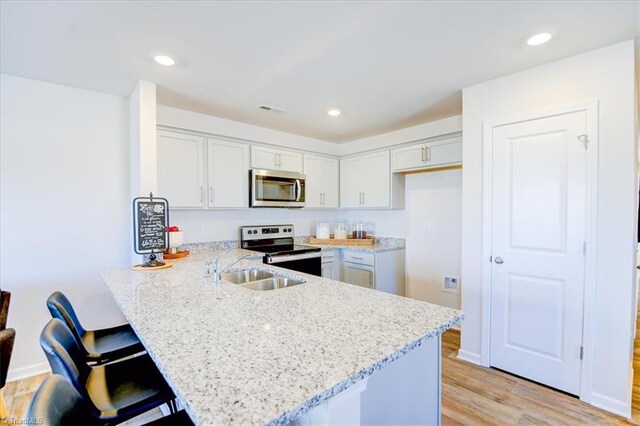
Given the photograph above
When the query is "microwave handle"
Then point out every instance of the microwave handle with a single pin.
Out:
(298, 189)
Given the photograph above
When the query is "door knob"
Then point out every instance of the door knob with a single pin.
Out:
(499, 260)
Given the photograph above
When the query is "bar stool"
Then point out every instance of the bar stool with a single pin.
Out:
(119, 390)
(7, 339)
(102, 345)
(57, 402)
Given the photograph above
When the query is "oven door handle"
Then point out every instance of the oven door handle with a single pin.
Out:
(298, 189)
(292, 257)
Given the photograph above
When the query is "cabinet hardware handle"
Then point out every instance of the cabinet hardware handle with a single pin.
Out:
(423, 154)
(211, 195)
(357, 258)
(428, 153)
(363, 198)
(201, 194)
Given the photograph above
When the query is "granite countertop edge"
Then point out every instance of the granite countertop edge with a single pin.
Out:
(343, 385)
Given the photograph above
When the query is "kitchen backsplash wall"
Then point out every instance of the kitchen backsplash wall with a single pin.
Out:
(430, 223)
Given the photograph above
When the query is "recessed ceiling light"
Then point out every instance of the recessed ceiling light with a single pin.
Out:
(164, 60)
(334, 112)
(538, 39)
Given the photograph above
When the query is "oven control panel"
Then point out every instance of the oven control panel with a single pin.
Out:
(263, 232)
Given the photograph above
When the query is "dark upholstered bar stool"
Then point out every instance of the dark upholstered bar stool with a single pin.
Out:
(57, 402)
(102, 345)
(118, 390)
(7, 339)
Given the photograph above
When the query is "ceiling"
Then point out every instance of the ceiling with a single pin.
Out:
(386, 65)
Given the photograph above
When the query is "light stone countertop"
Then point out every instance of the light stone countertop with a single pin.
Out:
(266, 357)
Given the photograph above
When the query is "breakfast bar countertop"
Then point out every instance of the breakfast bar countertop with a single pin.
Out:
(266, 357)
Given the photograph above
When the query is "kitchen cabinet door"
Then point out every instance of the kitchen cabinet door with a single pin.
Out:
(290, 161)
(441, 153)
(330, 183)
(180, 165)
(351, 182)
(444, 153)
(376, 180)
(275, 159)
(410, 157)
(313, 172)
(228, 174)
(322, 182)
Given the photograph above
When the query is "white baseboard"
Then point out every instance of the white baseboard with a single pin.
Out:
(471, 357)
(27, 371)
(612, 405)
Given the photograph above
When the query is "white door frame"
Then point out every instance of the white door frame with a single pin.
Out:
(591, 109)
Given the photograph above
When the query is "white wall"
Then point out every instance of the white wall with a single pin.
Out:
(64, 185)
(409, 134)
(605, 74)
(179, 118)
(431, 224)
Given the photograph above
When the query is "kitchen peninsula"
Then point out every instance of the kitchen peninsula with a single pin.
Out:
(317, 353)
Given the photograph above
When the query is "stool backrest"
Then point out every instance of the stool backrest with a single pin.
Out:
(65, 355)
(7, 338)
(61, 308)
(5, 298)
(57, 402)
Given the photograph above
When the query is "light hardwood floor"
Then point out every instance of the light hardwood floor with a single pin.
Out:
(471, 395)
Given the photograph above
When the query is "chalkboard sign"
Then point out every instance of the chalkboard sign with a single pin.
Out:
(150, 221)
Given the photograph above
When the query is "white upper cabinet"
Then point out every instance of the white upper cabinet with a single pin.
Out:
(227, 174)
(180, 162)
(275, 159)
(321, 184)
(351, 182)
(366, 181)
(194, 173)
(426, 155)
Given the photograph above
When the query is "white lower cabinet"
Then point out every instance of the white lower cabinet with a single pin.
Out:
(383, 271)
(331, 264)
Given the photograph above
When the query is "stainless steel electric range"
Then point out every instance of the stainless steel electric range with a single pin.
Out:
(276, 242)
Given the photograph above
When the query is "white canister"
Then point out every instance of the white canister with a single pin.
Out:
(323, 230)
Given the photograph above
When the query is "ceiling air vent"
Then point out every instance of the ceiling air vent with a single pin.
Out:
(271, 109)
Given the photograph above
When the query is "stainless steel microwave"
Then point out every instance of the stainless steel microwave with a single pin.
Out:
(272, 188)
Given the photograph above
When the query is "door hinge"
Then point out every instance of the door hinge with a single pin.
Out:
(581, 352)
(584, 139)
(584, 248)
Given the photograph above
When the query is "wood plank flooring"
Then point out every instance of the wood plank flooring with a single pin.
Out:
(471, 395)
(474, 395)
(17, 395)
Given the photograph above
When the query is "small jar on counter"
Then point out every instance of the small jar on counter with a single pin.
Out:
(341, 231)
(323, 230)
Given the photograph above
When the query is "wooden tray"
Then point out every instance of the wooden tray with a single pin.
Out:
(176, 255)
(348, 242)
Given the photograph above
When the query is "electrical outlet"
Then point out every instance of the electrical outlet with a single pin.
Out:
(451, 285)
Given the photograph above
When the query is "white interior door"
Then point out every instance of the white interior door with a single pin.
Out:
(538, 235)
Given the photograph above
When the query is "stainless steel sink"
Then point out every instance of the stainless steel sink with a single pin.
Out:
(272, 283)
(246, 276)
